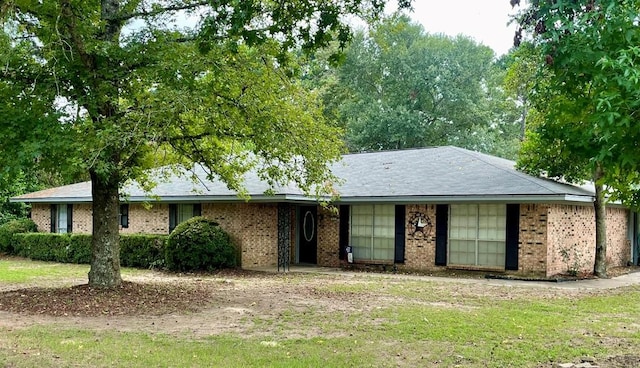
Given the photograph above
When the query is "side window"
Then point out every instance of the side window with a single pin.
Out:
(124, 215)
(179, 213)
(61, 218)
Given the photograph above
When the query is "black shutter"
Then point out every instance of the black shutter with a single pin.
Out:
(442, 230)
(344, 230)
(54, 218)
(69, 218)
(124, 215)
(197, 209)
(400, 233)
(513, 232)
(173, 217)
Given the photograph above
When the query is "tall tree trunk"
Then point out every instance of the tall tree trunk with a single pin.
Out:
(600, 266)
(105, 262)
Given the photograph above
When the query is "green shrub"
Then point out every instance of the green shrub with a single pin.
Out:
(141, 250)
(9, 229)
(79, 249)
(41, 246)
(199, 244)
(63, 248)
(144, 251)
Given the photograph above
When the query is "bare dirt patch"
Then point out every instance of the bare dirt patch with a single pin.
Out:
(131, 298)
(261, 305)
(242, 302)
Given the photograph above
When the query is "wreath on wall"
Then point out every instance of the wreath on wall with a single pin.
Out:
(420, 226)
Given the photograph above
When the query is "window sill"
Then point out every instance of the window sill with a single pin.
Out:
(373, 262)
(475, 268)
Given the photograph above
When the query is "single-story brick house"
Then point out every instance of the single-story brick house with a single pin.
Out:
(419, 209)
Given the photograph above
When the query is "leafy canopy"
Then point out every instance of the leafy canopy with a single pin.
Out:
(590, 101)
(110, 88)
(114, 87)
(400, 87)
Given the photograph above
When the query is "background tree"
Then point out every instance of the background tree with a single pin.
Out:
(19, 183)
(520, 79)
(98, 86)
(399, 87)
(588, 105)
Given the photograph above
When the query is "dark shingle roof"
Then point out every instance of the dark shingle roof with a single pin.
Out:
(440, 174)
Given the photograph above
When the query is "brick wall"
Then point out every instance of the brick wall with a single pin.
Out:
(253, 227)
(82, 223)
(420, 247)
(572, 230)
(545, 229)
(145, 220)
(148, 219)
(82, 218)
(618, 243)
(41, 215)
(532, 240)
(328, 238)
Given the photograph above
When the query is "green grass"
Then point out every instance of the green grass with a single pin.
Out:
(18, 270)
(24, 271)
(430, 324)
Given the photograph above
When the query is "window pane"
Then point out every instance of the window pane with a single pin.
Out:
(491, 253)
(373, 232)
(185, 212)
(462, 252)
(463, 222)
(62, 218)
(477, 234)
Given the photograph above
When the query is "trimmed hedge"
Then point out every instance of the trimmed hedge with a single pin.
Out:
(144, 251)
(64, 248)
(199, 244)
(9, 229)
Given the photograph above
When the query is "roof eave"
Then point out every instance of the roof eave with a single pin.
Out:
(51, 200)
(503, 198)
(516, 198)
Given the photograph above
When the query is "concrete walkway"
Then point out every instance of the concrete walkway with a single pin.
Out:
(590, 284)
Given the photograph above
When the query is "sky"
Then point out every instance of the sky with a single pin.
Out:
(483, 20)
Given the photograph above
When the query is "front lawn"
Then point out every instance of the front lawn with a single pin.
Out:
(303, 320)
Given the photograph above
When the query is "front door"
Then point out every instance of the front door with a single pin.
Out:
(308, 235)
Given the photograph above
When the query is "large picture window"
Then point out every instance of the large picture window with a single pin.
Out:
(373, 232)
(477, 234)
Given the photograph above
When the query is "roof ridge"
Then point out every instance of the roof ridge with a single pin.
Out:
(514, 172)
(392, 150)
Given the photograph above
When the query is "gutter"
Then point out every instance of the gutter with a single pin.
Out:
(299, 198)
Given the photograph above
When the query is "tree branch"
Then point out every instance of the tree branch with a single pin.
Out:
(152, 13)
(70, 23)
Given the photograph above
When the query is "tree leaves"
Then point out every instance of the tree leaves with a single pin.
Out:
(591, 97)
(400, 87)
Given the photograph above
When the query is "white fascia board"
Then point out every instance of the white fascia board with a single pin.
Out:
(297, 198)
(202, 199)
(51, 200)
(471, 199)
